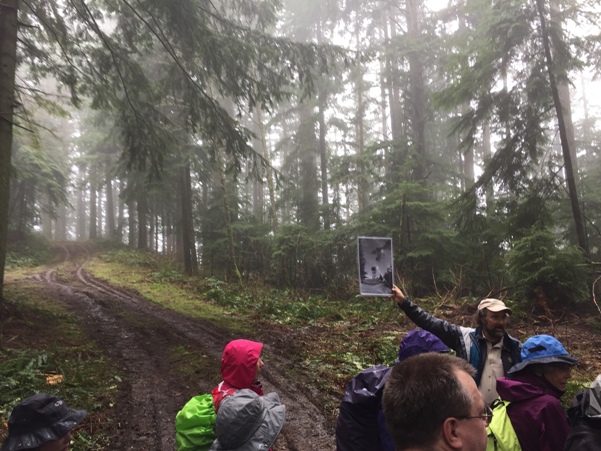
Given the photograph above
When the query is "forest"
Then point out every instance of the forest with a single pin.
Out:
(255, 140)
(176, 174)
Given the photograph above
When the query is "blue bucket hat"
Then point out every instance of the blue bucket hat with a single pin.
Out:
(418, 342)
(542, 349)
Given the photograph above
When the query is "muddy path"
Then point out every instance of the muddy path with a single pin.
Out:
(140, 337)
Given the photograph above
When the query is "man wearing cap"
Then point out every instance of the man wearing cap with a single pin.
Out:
(488, 347)
(534, 388)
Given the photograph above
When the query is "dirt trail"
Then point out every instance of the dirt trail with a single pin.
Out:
(140, 336)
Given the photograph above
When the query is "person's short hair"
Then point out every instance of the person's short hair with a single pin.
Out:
(420, 394)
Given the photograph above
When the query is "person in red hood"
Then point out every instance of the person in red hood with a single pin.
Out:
(240, 368)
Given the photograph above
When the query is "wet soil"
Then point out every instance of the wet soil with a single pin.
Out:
(142, 338)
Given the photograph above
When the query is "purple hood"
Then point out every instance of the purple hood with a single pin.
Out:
(535, 412)
(418, 342)
(525, 386)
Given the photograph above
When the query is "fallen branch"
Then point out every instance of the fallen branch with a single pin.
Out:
(595, 297)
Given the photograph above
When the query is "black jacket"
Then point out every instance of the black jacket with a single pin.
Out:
(585, 420)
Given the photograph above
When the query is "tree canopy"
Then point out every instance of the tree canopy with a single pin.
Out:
(258, 139)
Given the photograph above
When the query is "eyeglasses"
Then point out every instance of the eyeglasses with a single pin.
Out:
(486, 417)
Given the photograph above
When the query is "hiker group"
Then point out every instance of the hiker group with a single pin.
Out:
(495, 393)
(236, 415)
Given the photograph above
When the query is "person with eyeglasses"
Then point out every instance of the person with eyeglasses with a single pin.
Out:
(534, 388)
(432, 403)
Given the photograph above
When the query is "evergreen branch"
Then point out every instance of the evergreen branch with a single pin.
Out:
(166, 45)
(15, 124)
(101, 35)
(49, 29)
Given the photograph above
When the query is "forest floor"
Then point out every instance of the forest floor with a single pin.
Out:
(165, 357)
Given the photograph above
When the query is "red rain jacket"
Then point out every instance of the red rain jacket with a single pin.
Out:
(238, 367)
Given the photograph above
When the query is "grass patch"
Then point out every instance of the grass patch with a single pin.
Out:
(161, 281)
(143, 273)
(42, 349)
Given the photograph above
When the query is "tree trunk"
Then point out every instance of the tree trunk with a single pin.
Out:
(255, 182)
(150, 220)
(486, 154)
(61, 223)
(46, 217)
(131, 223)
(121, 221)
(258, 200)
(467, 158)
(267, 156)
(100, 212)
(362, 186)
(565, 146)
(93, 216)
(187, 236)
(309, 205)
(110, 210)
(323, 160)
(383, 101)
(81, 205)
(8, 60)
(394, 100)
(142, 221)
(417, 91)
(228, 219)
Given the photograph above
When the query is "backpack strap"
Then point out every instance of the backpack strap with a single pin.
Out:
(501, 434)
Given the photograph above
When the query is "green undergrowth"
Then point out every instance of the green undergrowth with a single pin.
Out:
(42, 349)
(147, 273)
(209, 297)
(334, 338)
(30, 251)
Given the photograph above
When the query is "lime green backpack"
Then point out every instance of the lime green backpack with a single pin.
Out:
(195, 424)
(501, 435)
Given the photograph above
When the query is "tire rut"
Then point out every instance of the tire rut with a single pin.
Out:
(139, 335)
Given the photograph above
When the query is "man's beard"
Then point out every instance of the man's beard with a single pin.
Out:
(496, 332)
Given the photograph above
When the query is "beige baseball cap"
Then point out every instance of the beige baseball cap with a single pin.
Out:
(494, 305)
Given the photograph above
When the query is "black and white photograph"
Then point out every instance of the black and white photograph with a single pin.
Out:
(374, 255)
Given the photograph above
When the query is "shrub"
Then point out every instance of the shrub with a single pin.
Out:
(541, 267)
